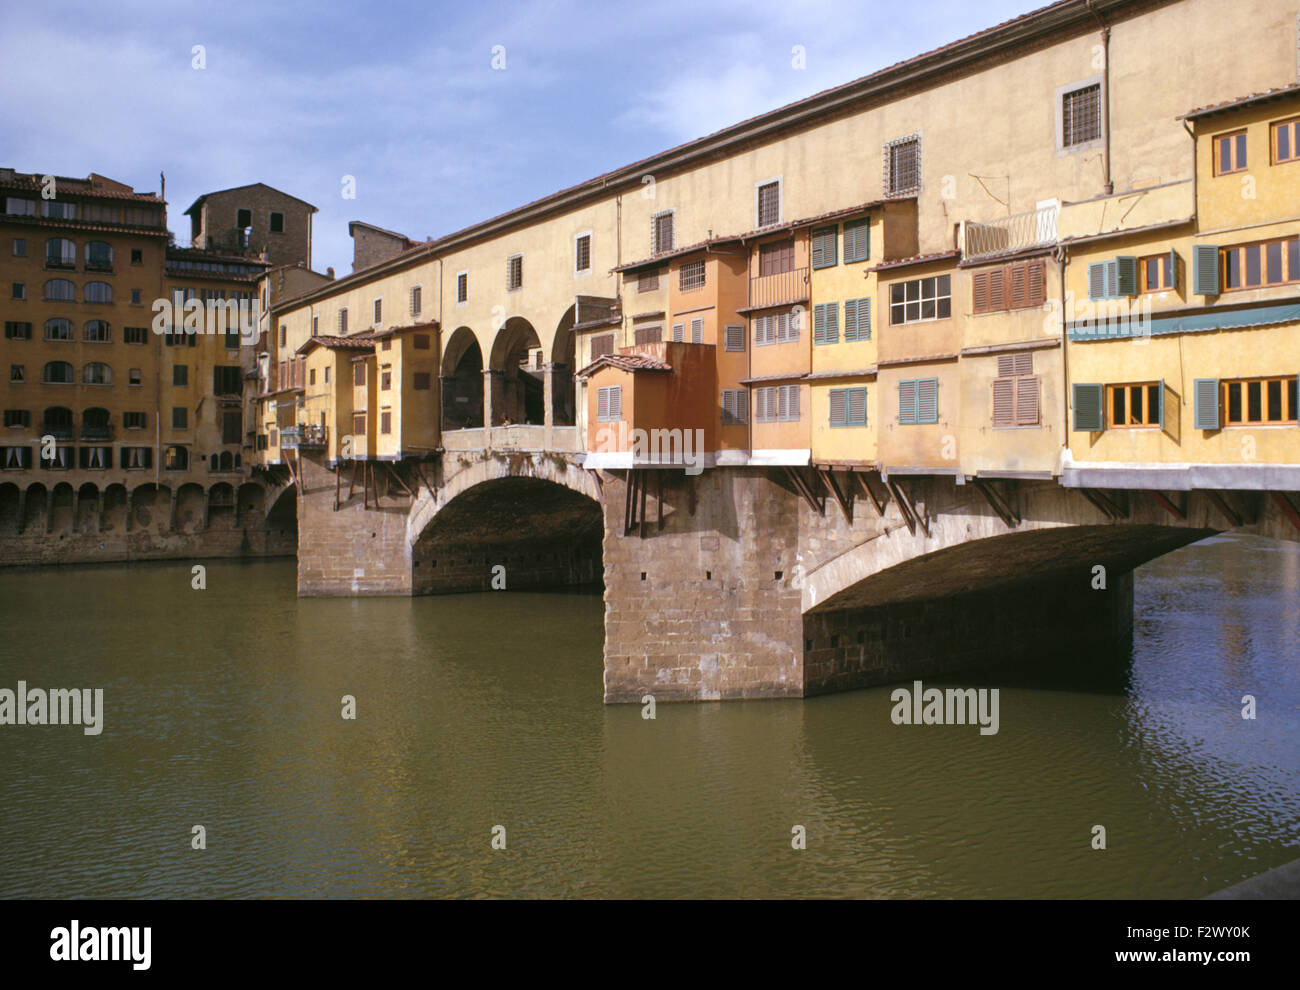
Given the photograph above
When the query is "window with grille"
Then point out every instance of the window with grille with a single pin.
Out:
(1081, 115)
(768, 204)
(735, 407)
(379, 311)
(848, 407)
(662, 234)
(343, 321)
(903, 165)
(1015, 391)
(582, 253)
(462, 287)
(514, 272)
(918, 401)
(415, 301)
(690, 276)
(920, 300)
(609, 403)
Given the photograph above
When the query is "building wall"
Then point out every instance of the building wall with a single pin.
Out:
(219, 231)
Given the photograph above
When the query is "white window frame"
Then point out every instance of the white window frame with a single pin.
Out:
(1061, 149)
(581, 272)
(780, 199)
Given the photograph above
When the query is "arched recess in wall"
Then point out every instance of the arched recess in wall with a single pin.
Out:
(563, 386)
(462, 381)
(517, 382)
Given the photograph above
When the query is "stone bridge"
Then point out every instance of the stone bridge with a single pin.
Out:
(769, 582)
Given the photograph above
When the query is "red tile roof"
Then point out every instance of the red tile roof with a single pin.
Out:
(625, 362)
(31, 182)
(916, 259)
(1242, 101)
(356, 342)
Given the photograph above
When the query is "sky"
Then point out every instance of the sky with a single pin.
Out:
(443, 114)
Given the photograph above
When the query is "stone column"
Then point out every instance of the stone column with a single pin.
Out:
(171, 516)
(548, 399)
(491, 386)
(130, 509)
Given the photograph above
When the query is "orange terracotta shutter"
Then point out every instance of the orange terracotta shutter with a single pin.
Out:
(997, 290)
(1037, 283)
(980, 284)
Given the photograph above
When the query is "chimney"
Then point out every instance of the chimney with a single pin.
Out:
(329, 272)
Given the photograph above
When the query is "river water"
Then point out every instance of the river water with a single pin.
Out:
(222, 708)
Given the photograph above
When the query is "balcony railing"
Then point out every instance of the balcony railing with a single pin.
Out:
(782, 287)
(305, 437)
(58, 432)
(96, 432)
(1020, 232)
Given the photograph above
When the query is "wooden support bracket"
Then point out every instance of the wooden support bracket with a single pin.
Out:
(1221, 503)
(845, 502)
(997, 503)
(878, 504)
(1178, 512)
(1287, 508)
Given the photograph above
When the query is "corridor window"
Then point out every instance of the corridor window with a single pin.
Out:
(1230, 153)
(1266, 401)
(920, 300)
(609, 403)
(1080, 115)
(582, 254)
(903, 165)
(1134, 405)
(1286, 141)
(462, 287)
(767, 203)
(662, 233)
(514, 272)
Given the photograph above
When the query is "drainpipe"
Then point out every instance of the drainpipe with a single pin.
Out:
(1108, 185)
(1061, 256)
(1196, 201)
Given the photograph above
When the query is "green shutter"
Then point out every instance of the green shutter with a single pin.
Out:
(857, 241)
(907, 403)
(819, 323)
(1112, 279)
(1173, 269)
(1205, 265)
(1127, 279)
(839, 406)
(1206, 413)
(1088, 408)
(824, 243)
(1097, 280)
(857, 407)
(1160, 403)
(927, 400)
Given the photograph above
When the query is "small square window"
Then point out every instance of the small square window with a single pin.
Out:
(137, 256)
(180, 375)
(19, 290)
(1081, 115)
(277, 223)
(180, 417)
(135, 377)
(135, 297)
(20, 247)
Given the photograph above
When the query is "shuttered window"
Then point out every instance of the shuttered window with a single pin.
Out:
(1020, 285)
(857, 241)
(824, 248)
(602, 345)
(1088, 411)
(679, 332)
(1205, 269)
(1113, 279)
(1135, 406)
(848, 407)
(649, 335)
(1263, 401)
(735, 407)
(609, 403)
(776, 403)
(857, 319)
(648, 281)
(1206, 394)
(735, 337)
(773, 259)
(697, 330)
(918, 401)
(776, 328)
(769, 204)
(661, 232)
(1015, 392)
(826, 323)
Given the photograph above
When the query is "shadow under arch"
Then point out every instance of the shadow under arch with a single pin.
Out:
(518, 389)
(461, 383)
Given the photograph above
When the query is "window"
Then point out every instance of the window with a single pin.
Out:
(58, 211)
(327, 375)
(679, 332)
(60, 253)
(662, 233)
(134, 420)
(359, 373)
(315, 329)
(776, 328)
(648, 281)
(284, 332)
(609, 403)
(228, 379)
(58, 329)
(690, 276)
(137, 256)
(135, 377)
(57, 373)
(602, 345)
(58, 289)
(17, 330)
(1015, 391)
(826, 323)
(462, 287)
(1230, 153)
(176, 458)
(582, 254)
(96, 373)
(379, 311)
(1080, 115)
(96, 332)
(857, 320)
(277, 223)
(421, 382)
(17, 373)
(920, 300)
(135, 297)
(767, 203)
(697, 330)
(649, 335)
(385, 378)
(20, 207)
(776, 403)
(137, 458)
(824, 251)
(135, 335)
(848, 407)
(514, 272)
(311, 376)
(18, 417)
(420, 342)
(735, 407)
(415, 301)
(1263, 401)
(179, 417)
(773, 259)
(1135, 405)
(244, 218)
(385, 421)
(20, 247)
(903, 165)
(16, 458)
(734, 337)
(61, 461)
(180, 375)
(1157, 272)
(1286, 141)
(20, 290)
(343, 321)
(98, 292)
(99, 256)
(1020, 285)
(1251, 266)
(857, 241)
(918, 401)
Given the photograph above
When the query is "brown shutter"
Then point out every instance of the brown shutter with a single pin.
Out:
(1019, 286)
(1026, 401)
(1022, 363)
(1037, 283)
(1004, 402)
(997, 290)
(1006, 365)
(980, 285)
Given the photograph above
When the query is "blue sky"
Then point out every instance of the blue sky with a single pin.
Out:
(404, 96)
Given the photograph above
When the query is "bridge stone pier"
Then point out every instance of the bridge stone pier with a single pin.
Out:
(769, 582)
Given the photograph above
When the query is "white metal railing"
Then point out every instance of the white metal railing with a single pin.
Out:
(1019, 232)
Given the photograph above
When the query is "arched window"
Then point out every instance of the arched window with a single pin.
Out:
(95, 416)
(60, 290)
(98, 292)
(176, 458)
(60, 253)
(58, 329)
(226, 463)
(99, 255)
(97, 373)
(57, 418)
(96, 332)
(213, 461)
(57, 373)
